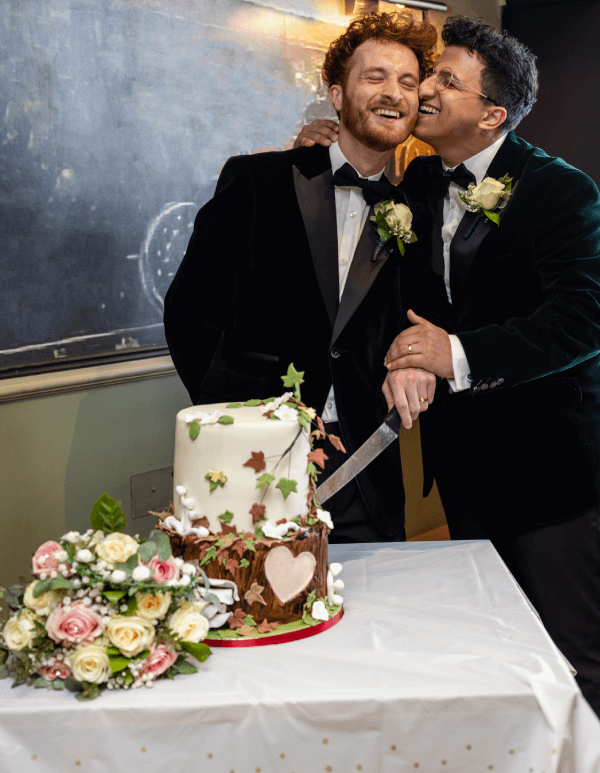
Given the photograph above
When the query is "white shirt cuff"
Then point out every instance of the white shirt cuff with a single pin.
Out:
(459, 365)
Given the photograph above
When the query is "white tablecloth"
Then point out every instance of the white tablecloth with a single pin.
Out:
(438, 666)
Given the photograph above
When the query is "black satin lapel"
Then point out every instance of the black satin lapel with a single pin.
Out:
(316, 199)
(361, 275)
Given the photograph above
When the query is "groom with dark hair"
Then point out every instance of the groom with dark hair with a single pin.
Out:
(516, 452)
(282, 267)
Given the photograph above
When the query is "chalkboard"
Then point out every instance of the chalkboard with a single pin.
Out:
(117, 117)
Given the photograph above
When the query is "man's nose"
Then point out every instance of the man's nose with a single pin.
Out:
(427, 89)
(393, 91)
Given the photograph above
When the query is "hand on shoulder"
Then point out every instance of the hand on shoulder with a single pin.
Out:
(320, 132)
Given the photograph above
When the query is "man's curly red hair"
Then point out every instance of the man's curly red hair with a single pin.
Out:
(420, 37)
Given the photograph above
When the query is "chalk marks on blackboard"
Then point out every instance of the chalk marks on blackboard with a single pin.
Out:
(164, 246)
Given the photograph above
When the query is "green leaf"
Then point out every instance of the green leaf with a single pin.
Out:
(3, 656)
(199, 651)
(303, 420)
(226, 516)
(225, 420)
(114, 595)
(113, 651)
(131, 606)
(183, 667)
(72, 685)
(60, 583)
(107, 515)
(118, 663)
(233, 405)
(274, 418)
(264, 480)
(58, 684)
(493, 216)
(259, 532)
(400, 245)
(41, 682)
(194, 429)
(286, 486)
(311, 469)
(164, 545)
(293, 378)
(211, 554)
(244, 563)
(41, 587)
(147, 550)
(210, 597)
(252, 403)
(250, 545)
(129, 565)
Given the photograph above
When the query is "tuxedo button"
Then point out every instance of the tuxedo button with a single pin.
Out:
(335, 352)
(353, 214)
(484, 386)
(453, 204)
(493, 384)
(475, 390)
(500, 381)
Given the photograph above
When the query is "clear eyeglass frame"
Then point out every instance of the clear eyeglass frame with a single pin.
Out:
(444, 77)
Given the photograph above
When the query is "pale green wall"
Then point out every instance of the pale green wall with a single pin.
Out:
(59, 454)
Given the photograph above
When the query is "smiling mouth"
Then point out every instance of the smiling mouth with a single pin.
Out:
(428, 110)
(385, 112)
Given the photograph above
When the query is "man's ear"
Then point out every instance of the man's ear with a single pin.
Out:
(492, 118)
(336, 94)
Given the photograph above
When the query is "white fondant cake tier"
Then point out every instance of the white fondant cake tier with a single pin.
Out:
(224, 448)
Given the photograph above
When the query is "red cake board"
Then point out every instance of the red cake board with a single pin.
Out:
(277, 638)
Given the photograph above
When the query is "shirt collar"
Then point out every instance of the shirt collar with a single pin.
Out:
(338, 159)
(480, 163)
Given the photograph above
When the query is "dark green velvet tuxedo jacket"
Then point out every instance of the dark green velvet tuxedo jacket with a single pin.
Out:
(258, 289)
(526, 307)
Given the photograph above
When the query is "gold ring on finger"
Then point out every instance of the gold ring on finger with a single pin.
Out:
(410, 348)
(423, 399)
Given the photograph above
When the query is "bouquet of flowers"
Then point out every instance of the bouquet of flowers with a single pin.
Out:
(106, 611)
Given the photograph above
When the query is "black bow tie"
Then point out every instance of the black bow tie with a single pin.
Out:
(372, 190)
(441, 179)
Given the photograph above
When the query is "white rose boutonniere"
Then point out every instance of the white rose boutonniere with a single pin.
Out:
(489, 195)
(394, 220)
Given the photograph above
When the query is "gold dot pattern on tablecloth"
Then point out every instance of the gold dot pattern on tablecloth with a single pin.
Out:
(359, 767)
(444, 762)
(325, 740)
(490, 767)
(282, 755)
(393, 748)
(143, 750)
(469, 748)
(209, 756)
(34, 756)
(77, 762)
(416, 765)
(329, 769)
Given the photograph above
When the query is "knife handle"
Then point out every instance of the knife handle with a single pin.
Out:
(393, 420)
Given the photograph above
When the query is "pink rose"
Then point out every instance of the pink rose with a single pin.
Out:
(164, 570)
(44, 559)
(76, 623)
(55, 670)
(159, 660)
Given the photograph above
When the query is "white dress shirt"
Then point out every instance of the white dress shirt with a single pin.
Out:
(351, 212)
(454, 210)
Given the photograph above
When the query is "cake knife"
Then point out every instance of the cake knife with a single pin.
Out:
(362, 457)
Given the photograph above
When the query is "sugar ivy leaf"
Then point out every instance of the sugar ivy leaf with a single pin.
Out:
(194, 429)
(256, 461)
(250, 545)
(107, 515)
(210, 555)
(244, 563)
(311, 469)
(233, 405)
(286, 486)
(252, 403)
(259, 532)
(264, 480)
(225, 420)
(226, 516)
(249, 620)
(318, 456)
(293, 378)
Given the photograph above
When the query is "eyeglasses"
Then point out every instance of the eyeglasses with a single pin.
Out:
(445, 76)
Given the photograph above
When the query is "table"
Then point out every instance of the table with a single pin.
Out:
(438, 666)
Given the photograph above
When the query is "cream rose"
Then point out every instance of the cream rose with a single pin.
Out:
(117, 548)
(19, 633)
(188, 622)
(130, 635)
(400, 214)
(153, 607)
(488, 193)
(43, 604)
(90, 664)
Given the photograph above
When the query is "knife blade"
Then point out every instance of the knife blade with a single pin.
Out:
(362, 457)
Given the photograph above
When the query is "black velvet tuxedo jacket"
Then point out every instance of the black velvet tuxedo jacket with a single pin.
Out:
(258, 289)
(525, 444)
